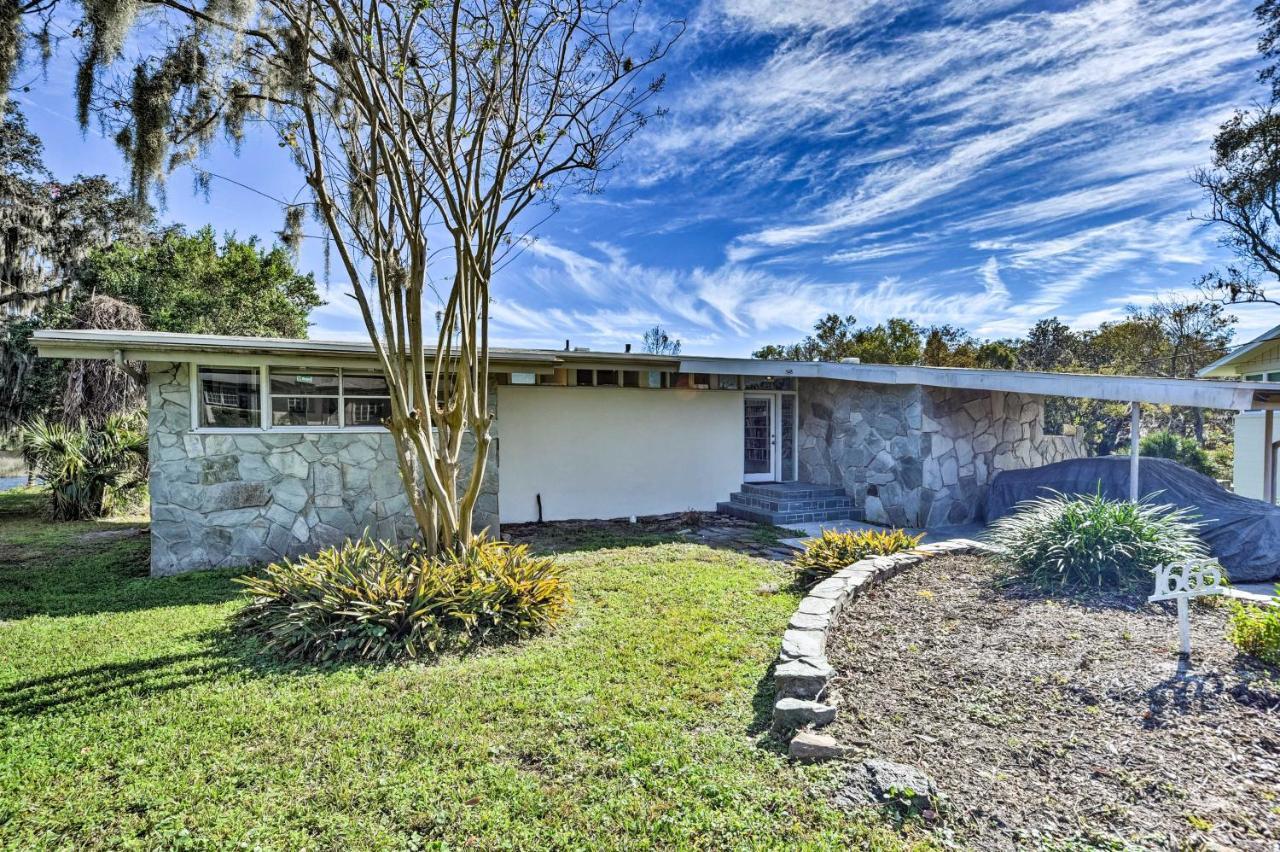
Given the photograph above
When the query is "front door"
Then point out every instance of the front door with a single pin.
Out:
(758, 438)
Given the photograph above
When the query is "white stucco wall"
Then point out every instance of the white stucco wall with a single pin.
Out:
(616, 452)
(1247, 475)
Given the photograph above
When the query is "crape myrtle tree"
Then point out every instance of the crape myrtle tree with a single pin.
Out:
(406, 120)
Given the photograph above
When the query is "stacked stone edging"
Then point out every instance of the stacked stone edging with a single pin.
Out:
(803, 673)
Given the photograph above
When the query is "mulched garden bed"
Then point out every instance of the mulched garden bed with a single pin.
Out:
(1060, 720)
(709, 528)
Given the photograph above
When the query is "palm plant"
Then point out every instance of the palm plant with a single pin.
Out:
(90, 472)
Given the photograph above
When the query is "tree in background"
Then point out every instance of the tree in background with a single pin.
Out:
(1242, 184)
(1184, 450)
(1049, 346)
(189, 283)
(48, 227)
(836, 338)
(657, 342)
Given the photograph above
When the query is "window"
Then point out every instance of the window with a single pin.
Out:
(1273, 377)
(296, 397)
(366, 399)
(785, 383)
(229, 398)
(606, 378)
(727, 382)
(1253, 377)
(523, 379)
(304, 398)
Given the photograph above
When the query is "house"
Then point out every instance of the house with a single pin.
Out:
(1254, 472)
(263, 448)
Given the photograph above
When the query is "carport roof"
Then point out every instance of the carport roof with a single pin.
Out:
(1201, 393)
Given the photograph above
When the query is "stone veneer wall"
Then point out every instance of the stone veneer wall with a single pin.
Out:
(228, 499)
(914, 456)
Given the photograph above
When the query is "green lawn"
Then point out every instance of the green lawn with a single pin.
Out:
(129, 716)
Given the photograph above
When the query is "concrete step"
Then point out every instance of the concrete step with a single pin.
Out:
(791, 504)
(782, 519)
(792, 490)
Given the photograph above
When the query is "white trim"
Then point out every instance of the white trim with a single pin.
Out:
(292, 430)
(1196, 393)
(772, 474)
(265, 425)
(1238, 353)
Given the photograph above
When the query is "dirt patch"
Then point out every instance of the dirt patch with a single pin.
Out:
(1057, 721)
(709, 528)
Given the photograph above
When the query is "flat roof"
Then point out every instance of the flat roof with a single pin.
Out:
(229, 350)
(166, 346)
(1199, 393)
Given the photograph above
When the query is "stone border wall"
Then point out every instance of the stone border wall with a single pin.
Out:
(803, 674)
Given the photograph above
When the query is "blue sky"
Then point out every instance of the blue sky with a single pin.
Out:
(977, 162)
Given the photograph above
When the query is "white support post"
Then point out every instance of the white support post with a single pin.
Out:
(1135, 434)
(1268, 457)
(1184, 628)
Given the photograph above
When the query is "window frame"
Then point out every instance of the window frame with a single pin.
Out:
(265, 397)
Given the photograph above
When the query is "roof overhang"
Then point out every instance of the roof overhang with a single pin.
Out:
(121, 346)
(114, 345)
(1198, 393)
(1221, 367)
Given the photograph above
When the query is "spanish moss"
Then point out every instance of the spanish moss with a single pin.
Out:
(11, 43)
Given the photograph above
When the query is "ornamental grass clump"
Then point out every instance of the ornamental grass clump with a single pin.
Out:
(1090, 542)
(374, 601)
(834, 550)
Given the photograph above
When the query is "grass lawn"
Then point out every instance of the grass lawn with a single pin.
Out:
(129, 717)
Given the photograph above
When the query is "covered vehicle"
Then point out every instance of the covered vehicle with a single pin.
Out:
(1244, 534)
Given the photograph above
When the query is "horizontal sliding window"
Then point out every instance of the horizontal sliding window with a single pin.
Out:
(366, 399)
(229, 398)
(294, 398)
(304, 398)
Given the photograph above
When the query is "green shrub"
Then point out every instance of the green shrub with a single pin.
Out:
(1092, 542)
(1255, 630)
(834, 550)
(1185, 451)
(372, 601)
(90, 472)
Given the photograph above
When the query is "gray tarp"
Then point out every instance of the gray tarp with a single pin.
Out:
(1243, 534)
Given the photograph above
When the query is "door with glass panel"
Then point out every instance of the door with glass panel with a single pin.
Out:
(758, 438)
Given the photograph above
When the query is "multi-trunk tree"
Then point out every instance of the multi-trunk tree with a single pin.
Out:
(426, 131)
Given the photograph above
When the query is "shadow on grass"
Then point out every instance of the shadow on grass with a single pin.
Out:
(103, 576)
(761, 725)
(226, 654)
(67, 568)
(111, 682)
